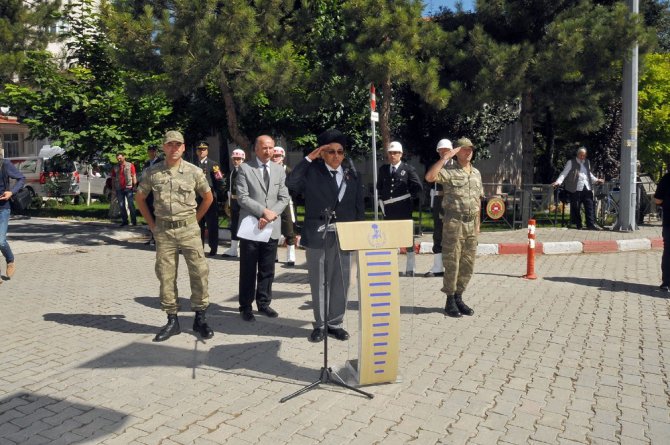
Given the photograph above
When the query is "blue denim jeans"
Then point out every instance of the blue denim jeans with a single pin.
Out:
(122, 195)
(4, 245)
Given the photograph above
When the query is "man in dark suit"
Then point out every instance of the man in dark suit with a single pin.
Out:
(237, 159)
(261, 194)
(326, 184)
(210, 223)
(398, 184)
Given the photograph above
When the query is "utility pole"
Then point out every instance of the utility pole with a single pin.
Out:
(627, 176)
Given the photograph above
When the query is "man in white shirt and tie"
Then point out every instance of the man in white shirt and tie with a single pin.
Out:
(330, 189)
(579, 182)
(261, 193)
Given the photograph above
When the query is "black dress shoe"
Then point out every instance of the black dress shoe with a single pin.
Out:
(123, 224)
(267, 310)
(290, 263)
(338, 333)
(433, 274)
(316, 335)
(247, 315)
(212, 254)
(664, 288)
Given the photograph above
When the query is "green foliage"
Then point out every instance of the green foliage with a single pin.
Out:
(90, 108)
(563, 57)
(242, 47)
(24, 27)
(392, 45)
(654, 114)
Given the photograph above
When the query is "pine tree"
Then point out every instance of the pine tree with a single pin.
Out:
(24, 26)
(561, 57)
(392, 45)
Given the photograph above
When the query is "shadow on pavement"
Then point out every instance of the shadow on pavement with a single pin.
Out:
(58, 420)
(114, 323)
(613, 286)
(77, 233)
(261, 357)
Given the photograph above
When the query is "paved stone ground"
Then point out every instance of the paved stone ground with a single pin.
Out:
(581, 355)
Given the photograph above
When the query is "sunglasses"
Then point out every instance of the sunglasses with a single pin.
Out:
(334, 152)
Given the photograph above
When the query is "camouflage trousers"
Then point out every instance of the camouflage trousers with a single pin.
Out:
(168, 244)
(459, 248)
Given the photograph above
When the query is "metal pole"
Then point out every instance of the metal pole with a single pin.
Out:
(373, 106)
(626, 220)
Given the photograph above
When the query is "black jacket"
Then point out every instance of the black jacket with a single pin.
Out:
(315, 182)
(405, 180)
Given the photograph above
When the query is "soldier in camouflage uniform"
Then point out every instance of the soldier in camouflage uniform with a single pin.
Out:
(174, 184)
(462, 185)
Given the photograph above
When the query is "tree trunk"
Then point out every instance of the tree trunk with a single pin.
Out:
(550, 136)
(384, 118)
(528, 152)
(231, 115)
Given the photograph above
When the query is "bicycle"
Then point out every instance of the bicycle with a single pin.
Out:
(607, 205)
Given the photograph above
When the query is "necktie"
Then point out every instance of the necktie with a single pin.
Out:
(334, 173)
(266, 176)
(392, 170)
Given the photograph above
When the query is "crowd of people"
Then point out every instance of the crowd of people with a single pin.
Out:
(176, 198)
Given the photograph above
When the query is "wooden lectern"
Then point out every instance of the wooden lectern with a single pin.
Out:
(376, 244)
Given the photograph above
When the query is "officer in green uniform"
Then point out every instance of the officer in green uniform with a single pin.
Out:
(462, 185)
(174, 184)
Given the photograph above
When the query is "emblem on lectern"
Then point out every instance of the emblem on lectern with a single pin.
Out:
(376, 238)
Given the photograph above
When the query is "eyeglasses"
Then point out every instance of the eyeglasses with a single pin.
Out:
(335, 152)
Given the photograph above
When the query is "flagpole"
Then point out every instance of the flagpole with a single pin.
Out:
(374, 117)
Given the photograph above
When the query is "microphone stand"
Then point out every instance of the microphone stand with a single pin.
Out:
(327, 374)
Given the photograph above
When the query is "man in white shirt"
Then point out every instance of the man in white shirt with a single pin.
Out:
(579, 182)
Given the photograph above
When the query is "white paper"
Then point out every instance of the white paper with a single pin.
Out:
(249, 230)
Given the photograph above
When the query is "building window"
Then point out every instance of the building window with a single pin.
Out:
(11, 145)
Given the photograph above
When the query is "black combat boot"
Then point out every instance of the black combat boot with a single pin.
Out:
(451, 309)
(462, 307)
(200, 325)
(170, 329)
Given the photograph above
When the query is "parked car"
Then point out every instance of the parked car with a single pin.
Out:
(53, 176)
(98, 176)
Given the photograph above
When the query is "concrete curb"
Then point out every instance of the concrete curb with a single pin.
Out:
(547, 248)
(563, 247)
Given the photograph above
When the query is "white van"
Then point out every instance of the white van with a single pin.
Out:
(49, 176)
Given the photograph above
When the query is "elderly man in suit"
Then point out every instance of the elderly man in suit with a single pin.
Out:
(262, 194)
(326, 184)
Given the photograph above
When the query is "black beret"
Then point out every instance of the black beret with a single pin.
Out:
(330, 136)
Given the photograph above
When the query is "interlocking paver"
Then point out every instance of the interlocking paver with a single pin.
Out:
(577, 356)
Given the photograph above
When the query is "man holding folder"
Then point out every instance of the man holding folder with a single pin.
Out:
(262, 196)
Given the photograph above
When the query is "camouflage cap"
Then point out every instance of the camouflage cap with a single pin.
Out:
(464, 142)
(173, 136)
